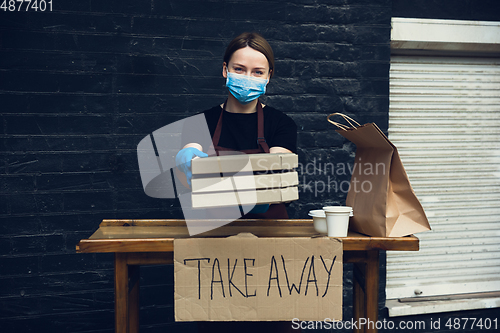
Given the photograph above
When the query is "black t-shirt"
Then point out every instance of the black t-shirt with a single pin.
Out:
(239, 130)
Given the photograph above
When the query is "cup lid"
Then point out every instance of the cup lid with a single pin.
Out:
(338, 209)
(317, 213)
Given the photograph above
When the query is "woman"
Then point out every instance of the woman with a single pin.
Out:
(242, 123)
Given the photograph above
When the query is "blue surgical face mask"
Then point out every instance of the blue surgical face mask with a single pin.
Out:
(245, 88)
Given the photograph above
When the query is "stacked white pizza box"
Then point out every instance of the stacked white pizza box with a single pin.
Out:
(244, 179)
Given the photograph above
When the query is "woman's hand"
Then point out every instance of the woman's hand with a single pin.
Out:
(183, 161)
(279, 150)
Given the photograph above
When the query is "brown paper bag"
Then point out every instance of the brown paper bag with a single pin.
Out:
(380, 193)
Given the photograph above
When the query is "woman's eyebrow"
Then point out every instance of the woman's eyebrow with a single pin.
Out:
(241, 65)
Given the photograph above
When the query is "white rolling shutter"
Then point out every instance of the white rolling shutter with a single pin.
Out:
(444, 117)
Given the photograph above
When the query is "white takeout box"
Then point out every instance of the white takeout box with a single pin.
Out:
(244, 179)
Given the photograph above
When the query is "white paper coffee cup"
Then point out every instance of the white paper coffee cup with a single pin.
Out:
(319, 220)
(337, 220)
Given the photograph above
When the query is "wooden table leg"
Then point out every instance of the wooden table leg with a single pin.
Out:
(121, 293)
(126, 295)
(133, 300)
(366, 279)
(371, 290)
(359, 305)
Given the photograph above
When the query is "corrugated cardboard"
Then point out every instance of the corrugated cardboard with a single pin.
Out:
(246, 197)
(237, 163)
(258, 279)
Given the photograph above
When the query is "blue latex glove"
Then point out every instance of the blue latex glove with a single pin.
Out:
(183, 160)
(258, 209)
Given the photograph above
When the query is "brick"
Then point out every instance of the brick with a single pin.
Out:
(19, 144)
(370, 15)
(29, 245)
(320, 139)
(18, 103)
(134, 199)
(110, 43)
(23, 39)
(374, 69)
(74, 262)
(145, 123)
(368, 34)
(29, 81)
(80, 6)
(14, 20)
(12, 225)
(57, 143)
(375, 52)
(318, 51)
(17, 183)
(164, 65)
(5, 244)
(311, 121)
(22, 204)
(87, 201)
(127, 180)
(190, 8)
(60, 322)
(375, 87)
(130, 104)
(86, 164)
(63, 182)
(57, 103)
(58, 124)
(128, 142)
(29, 163)
(150, 84)
(121, 7)
(79, 21)
(26, 124)
(19, 265)
(285, 86)
(44, 203)
(85, 222)
(160, 26)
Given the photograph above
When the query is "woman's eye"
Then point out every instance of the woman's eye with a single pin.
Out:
(237, 69)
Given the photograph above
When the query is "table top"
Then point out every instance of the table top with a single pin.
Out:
(159, 235)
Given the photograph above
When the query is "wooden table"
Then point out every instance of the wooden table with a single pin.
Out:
(151, 242)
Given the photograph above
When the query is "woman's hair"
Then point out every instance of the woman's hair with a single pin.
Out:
(256, 42)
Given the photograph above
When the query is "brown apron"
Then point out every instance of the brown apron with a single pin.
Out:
(275, 211)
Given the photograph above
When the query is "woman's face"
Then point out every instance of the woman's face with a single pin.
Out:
(247, 61)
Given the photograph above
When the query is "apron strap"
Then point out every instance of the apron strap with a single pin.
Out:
(261, 141)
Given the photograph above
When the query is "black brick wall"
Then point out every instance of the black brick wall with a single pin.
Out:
(82, 85)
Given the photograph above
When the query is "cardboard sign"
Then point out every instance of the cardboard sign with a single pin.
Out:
(258, 279)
